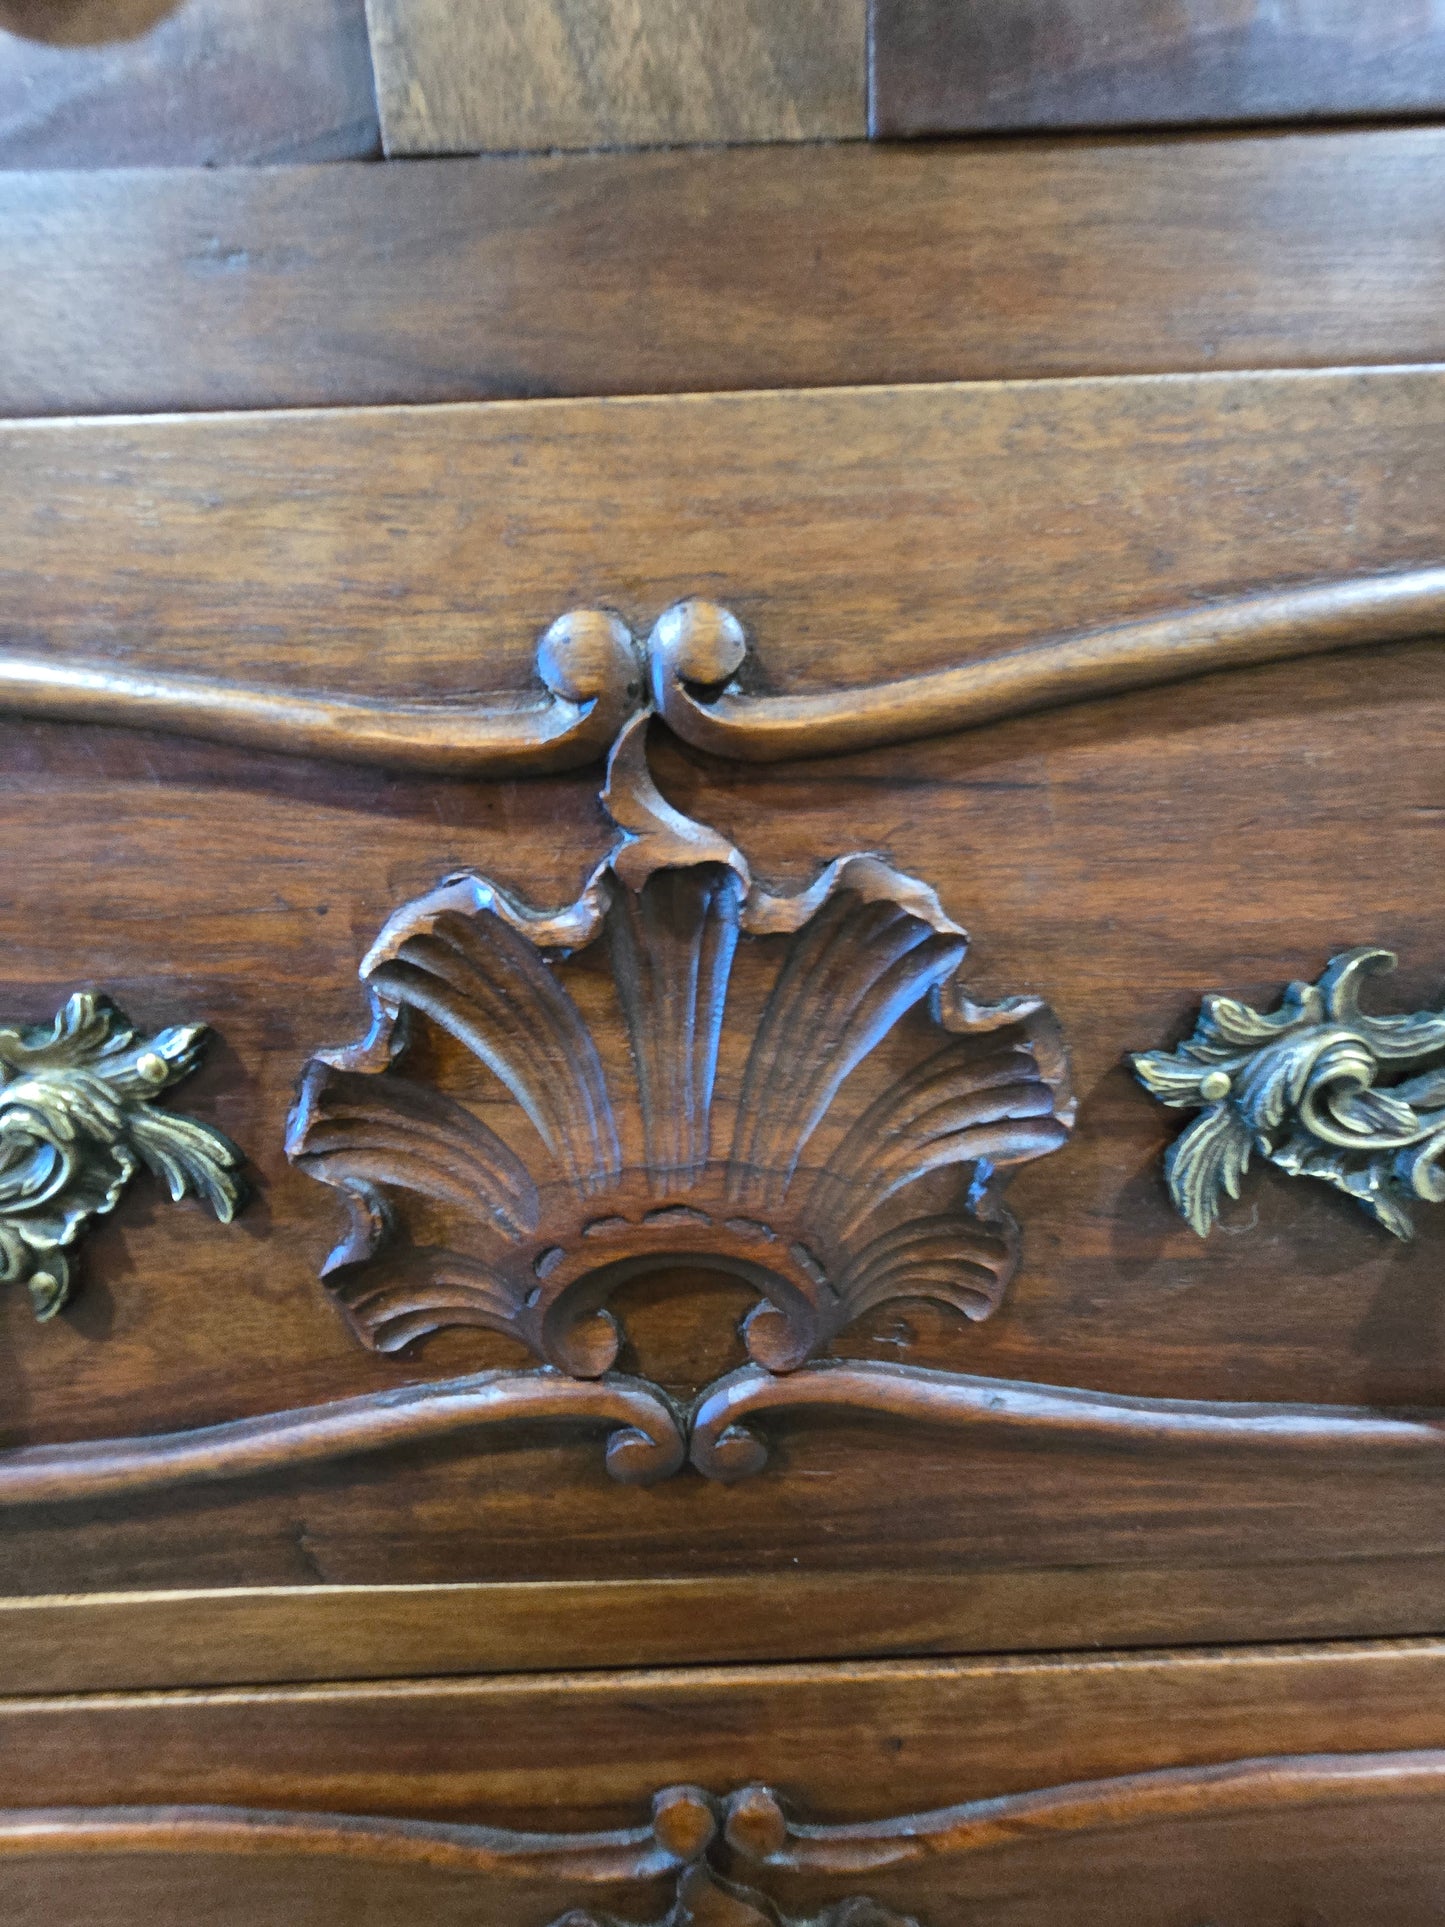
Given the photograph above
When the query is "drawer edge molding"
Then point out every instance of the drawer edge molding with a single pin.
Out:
(696, 652)
(651, 1438)
(711, 1850)
(592, 675)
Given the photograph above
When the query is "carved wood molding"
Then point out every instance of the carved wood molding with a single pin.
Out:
(722, 1444)
(735, 1860)
(649, 1437)
(590, 674)
(646, 1440)
(593, 674)
(697, 650)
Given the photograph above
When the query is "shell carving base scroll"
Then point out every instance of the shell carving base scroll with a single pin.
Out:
(678, 1066)
(1304, 1086)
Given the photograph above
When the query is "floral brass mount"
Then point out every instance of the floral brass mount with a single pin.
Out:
(1301, 1086)
(77, 1122)
(765, 1084)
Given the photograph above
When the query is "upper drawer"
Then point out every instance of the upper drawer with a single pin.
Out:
(649, 1065)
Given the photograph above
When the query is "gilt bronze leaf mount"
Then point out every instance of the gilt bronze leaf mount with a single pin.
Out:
(1318, 1087)
(679, 1066)
(78, 1120)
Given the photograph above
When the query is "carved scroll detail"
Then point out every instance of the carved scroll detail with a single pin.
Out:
(738, 1860)
(588, 666)
(645, 1437)
(801, 1180)
(723, 1442)
(77, 1122)
(592, 673)
(649, 1438)
(1302, 1087)
(697, 649)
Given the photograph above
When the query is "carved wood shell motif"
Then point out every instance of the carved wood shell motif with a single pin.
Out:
(795, 1089)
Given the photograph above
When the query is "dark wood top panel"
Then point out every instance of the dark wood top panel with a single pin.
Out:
(519, 75)
(182, 83)
(970, 66)
(799, 266)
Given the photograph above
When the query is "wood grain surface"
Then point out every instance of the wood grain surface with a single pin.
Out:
(1165, 1783)
(529, 74)
(587, 1748)
(224, 1636)
(1120, 858)
(794, 266)
(183, 83)
(970, 66)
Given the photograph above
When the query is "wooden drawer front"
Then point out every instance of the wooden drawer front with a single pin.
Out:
(1250, 1789)
(1257, 1412)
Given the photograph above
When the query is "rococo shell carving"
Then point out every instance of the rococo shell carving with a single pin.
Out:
(793, 1089)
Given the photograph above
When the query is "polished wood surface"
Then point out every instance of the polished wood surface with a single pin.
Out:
(183, 83)
(538, 74)
(587, 1748)
(234, 1635)
(1158, 1781)
(792, 266)
(970, 66)
(1289, 807)
(576, 1508)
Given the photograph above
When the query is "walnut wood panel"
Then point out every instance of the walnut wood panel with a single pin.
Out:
(970, 66)
(801, 266)
(183, 83)
(1110, 1780)
(235, 1636)
(529, 74)
(847, 1742)
(1284, 804)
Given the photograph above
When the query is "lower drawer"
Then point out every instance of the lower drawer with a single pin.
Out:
(1281, 1787)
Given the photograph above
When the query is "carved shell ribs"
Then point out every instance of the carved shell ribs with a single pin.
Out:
(792, 1089)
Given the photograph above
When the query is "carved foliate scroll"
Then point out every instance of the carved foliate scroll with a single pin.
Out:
(718, 1847)
(794, 1089)
(78, 1121)
(1318, 1087)
(592, 673)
